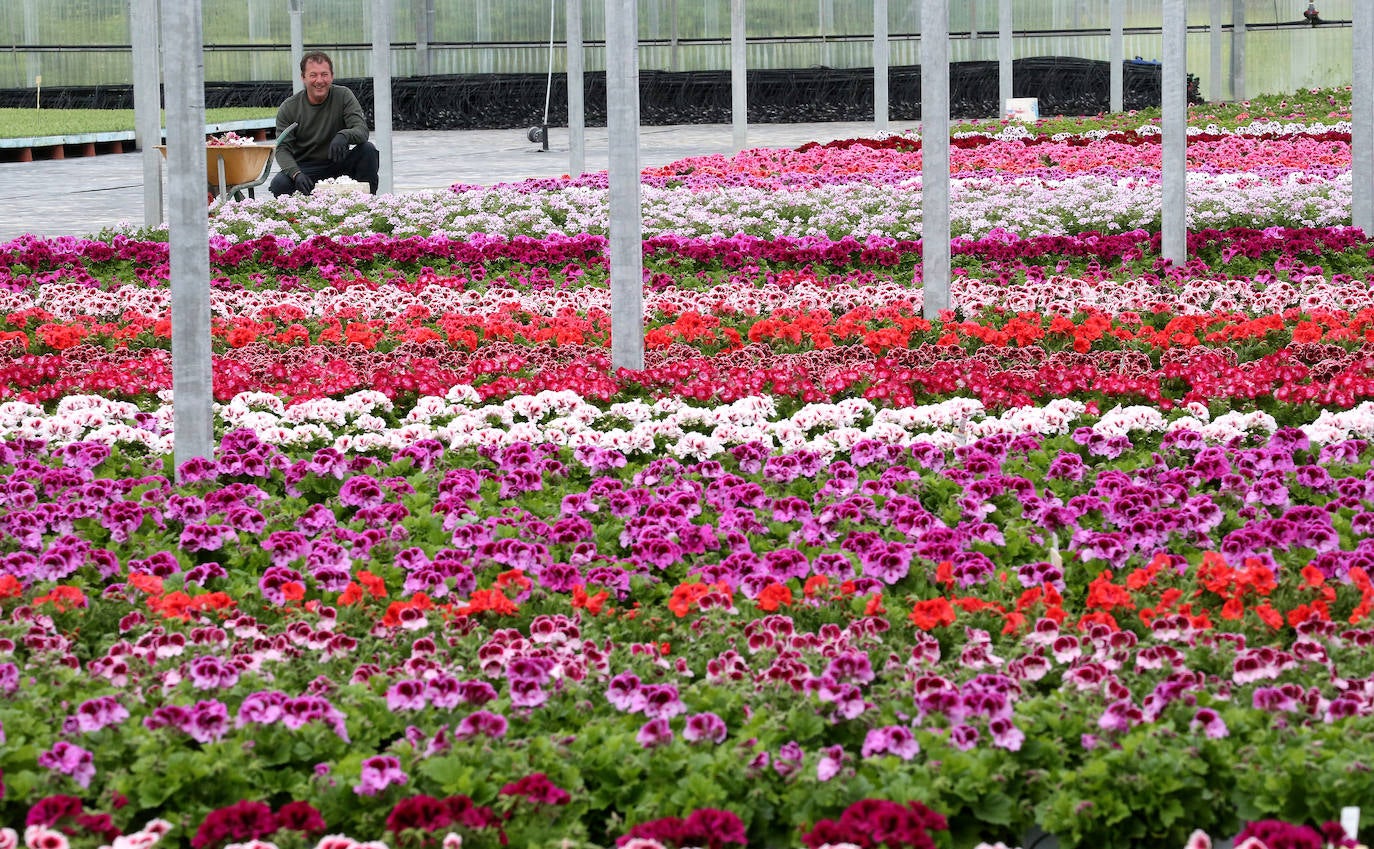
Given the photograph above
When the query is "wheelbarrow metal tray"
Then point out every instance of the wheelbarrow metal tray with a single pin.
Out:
(243, 163)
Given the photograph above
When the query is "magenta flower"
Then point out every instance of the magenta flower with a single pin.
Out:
(379, 773)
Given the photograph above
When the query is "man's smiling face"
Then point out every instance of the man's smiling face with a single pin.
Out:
(318, 77)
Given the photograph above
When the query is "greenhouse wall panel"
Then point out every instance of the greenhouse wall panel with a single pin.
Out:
(80, 42)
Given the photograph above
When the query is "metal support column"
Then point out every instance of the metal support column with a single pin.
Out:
(935, 156)
(1237, 50)
(1005, 87)
(297, 45)
(188, 222)
(1117, 55)
(626, 217)
(1214, 84)
(381, 90)
(1362, 118)
(739, 77)
(1174, 129)
(143, 24)
(881, 53)
(577, 104)
(424, 34)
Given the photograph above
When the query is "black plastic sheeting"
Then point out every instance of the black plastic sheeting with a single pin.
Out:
(1062, 85)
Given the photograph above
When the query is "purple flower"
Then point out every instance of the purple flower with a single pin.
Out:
(361, 491)
(263, 708)
(378, 773)
(209, 721)
(830, 763)
(704, 726)
(481, 722)
(963, 737)
(789, 759)
(211, 673)
(95, 714)
(661, 701)
(525, 693)
(70, 760)
(408, 694)
(1005, 735)
(168, 716)
(1120, 716)
(655, 732)
(891, 739)
(1210, 722)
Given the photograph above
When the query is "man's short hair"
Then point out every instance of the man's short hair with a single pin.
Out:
(316, 56)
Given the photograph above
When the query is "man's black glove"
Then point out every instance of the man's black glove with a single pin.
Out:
(304, 184)
(338, 148)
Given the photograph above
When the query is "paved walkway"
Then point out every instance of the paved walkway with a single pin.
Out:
(83, 196)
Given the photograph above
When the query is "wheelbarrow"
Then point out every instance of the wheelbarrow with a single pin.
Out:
(231, 170)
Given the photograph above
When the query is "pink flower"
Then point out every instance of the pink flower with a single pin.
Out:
(9, 838)
(42, 837)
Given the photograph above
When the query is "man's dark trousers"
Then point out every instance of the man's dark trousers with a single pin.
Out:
(362, 164)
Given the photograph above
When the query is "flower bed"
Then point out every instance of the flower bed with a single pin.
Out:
(1089, 554)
